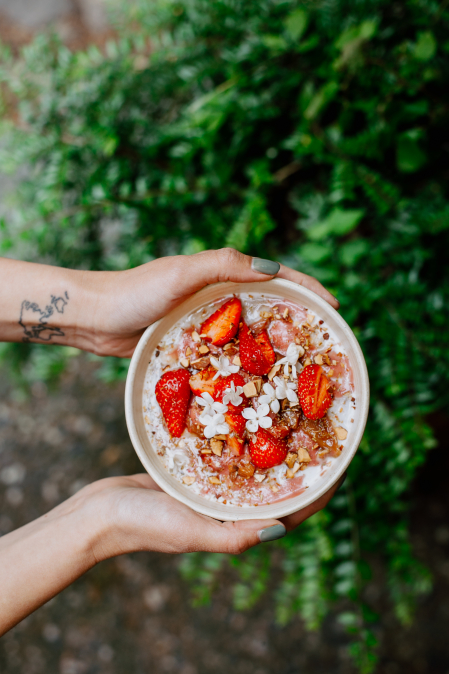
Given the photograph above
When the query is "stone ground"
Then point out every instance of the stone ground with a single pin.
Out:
(133, 614)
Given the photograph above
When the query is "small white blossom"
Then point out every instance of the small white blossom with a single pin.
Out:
(290, 360)
(233, 395)
(285, 390)
(209, 404)
(214, 425)
(223, 366)
(257, 417)
(270, 398)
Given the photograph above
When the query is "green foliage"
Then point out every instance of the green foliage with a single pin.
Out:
(314, 133)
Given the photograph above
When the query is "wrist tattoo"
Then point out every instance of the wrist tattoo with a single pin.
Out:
(34, 320)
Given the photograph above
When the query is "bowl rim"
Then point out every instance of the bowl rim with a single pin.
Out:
(278, 508)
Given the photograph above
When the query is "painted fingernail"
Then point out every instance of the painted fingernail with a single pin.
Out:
(268, 267)
(336, 298)
(272, 533)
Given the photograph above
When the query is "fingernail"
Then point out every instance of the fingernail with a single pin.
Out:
(268, 267)
(272, 533)
(342, 481)
(336, 298)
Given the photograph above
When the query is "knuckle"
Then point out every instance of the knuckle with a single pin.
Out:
(229, 256)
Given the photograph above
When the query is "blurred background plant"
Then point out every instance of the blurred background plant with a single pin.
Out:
(313, 133)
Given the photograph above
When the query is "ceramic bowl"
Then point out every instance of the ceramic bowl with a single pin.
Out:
(134, 399)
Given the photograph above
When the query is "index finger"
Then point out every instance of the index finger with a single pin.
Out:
(308, 282)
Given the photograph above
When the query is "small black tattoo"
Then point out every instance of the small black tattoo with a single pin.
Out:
(36, 327)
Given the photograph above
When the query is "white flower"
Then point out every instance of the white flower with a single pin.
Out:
(233, 395)
(257, 417)
(270, 398)
(223, 366)
(209, 404)
(214, 425)
(294, 352)
(285, 390)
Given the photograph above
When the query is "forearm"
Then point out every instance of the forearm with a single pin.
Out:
(48, 305)
(42, 558)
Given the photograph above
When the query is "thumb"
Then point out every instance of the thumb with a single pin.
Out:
(236, 537)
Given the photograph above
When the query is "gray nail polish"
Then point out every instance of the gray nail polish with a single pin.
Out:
(268, 267)
(272, 533)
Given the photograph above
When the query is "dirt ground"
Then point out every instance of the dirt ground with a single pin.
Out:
(133, 614)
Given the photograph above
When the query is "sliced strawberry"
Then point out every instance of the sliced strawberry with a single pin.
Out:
(222, 326)
(225, 383)
(267, 451)
(252, 356)
(236, 423)
(313, 392)
(264, 342)
(203, 381)
(279, 430)
(236, 445)
(173, 395)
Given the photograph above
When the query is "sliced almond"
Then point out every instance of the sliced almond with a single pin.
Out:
(295, 468)
(303, 455)
(334, 362)
(196, 337)
(259, 477)
(203, 349)
(266, 314)
(319, 359)
(214, 480)
(285, 314)
(274, 370)
(188, 351)
(228, 346)
(216, 446)
(250, 389)
(310, 318)
(291, 459)
(188, 479)
(307, 362)
(206, 451)
(274, 488)
(258, 384)
(220, 437)
(289, 473)
(246, 470)
(326, 358)
(330, 373)
(185, 362)
(341, 433)
(236, 361)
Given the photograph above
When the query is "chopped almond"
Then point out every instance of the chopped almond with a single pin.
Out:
(220, 437)
(290, 459)
(330, 373)
(196, 337)
(147, 421)
(303, 455)
(250, 389)
(203, 349)
(246, 470)
(214, 480)
(228, 346)
(206, 451)
(188, 351)
(274, 488)
(259, 477)
(266, 314)
(188, 479)
(334, 362)
(341, 433)
(310, 318)
(274, 370)
(285, 314)
(319, 359)
(216, 446)
(307, 362)
(185, 362)
(201, 363)
(295, 468)
(258, 384)
(236, 361)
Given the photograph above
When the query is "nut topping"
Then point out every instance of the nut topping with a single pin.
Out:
(341, 433)
(188, 479)
(216, 446)
(246, 470)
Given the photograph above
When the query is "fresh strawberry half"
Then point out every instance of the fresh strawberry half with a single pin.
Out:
(173, 395)
(222, 326)
(267, 451)
(313, 392)
(264, 342)
(235, 439)
(252, 354)
(225, 383)
(204, 381)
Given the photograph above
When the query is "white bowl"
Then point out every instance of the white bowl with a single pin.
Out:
(134, 399)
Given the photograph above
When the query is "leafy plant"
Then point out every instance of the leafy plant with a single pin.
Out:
(314, 133)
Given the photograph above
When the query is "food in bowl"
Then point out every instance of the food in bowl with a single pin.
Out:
(249, 400)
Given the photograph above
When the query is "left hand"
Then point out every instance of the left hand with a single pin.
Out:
(127, 302)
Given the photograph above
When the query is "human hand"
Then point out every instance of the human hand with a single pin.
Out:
(129, 301)
(135, 514)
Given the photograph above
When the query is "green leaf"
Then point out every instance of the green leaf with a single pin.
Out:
(321, 99)
(337, 223)
(409, 156)
(296, 23)
(425, 46)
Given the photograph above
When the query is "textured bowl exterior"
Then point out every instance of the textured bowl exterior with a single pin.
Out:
(134, 399)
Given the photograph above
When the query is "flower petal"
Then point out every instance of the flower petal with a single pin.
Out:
(222, 429)
(262, 410)
(265, 399)
(219, 407)
(252, 425)
(214, 362)
(269, 390)
(275, 406)
(249, 413)
(265, 422)
(209, 431)
(207, 396)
